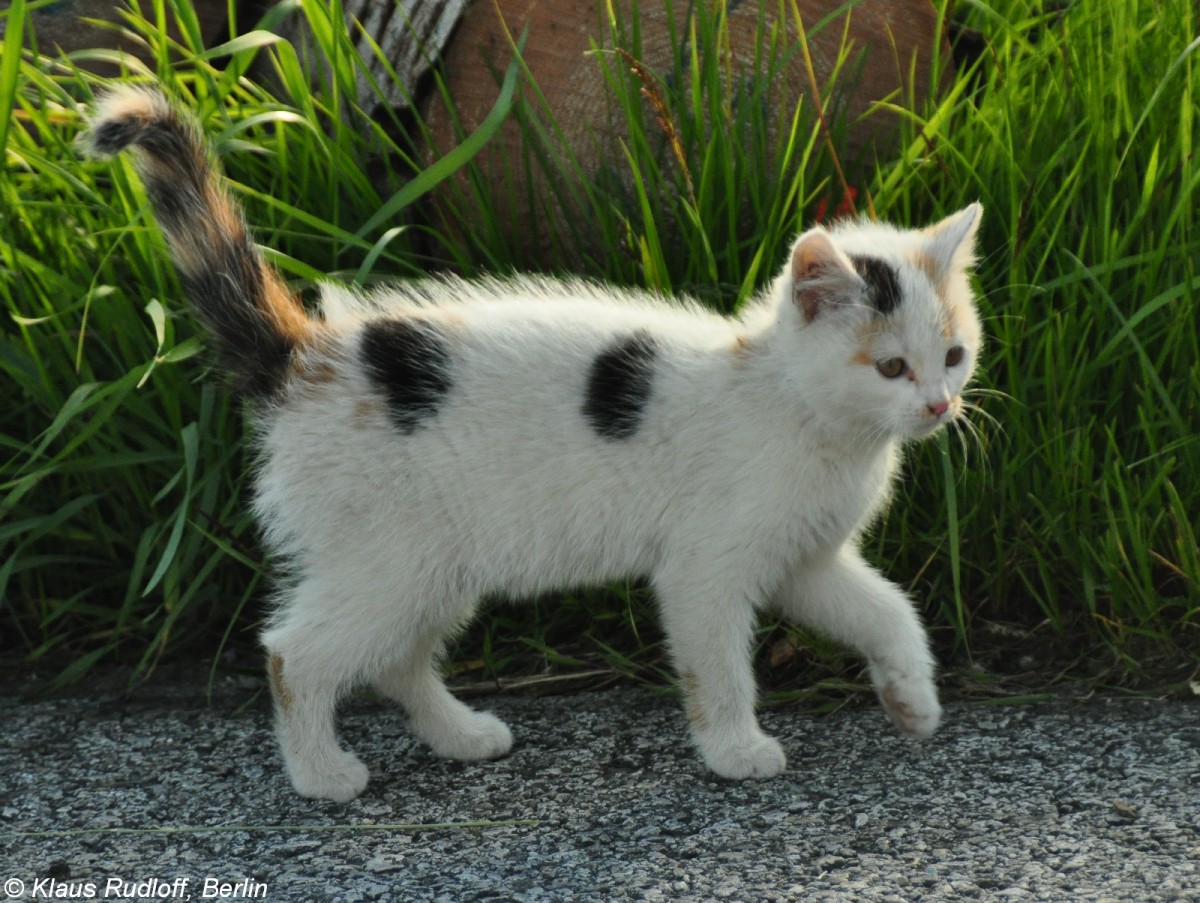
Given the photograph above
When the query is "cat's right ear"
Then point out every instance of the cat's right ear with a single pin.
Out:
(821, 274)
(951, 242)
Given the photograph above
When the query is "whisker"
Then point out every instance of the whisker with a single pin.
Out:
(971, 434)
(970, 408)
(988, 393)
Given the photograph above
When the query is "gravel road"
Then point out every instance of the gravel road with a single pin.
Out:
(163, 794)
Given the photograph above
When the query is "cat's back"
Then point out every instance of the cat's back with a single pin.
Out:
(522, 351)
(539, 309)
(502, 371)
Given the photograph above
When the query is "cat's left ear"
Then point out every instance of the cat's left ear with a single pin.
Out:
(951, 242)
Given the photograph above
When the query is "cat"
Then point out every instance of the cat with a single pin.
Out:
(446, 440)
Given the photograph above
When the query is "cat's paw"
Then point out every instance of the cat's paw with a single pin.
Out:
(339, 777)
(474, 737)
(758, 756)
(911, 703)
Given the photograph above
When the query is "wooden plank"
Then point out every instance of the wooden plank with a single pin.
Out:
(896, 36)
(64, 26)
(410, 35)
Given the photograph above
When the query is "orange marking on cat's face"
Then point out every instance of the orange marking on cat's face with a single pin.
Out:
(956, 317)
(927, 265)
(940, 280)
(867, 334)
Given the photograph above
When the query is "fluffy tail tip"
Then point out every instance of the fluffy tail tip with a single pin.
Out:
(120, 118)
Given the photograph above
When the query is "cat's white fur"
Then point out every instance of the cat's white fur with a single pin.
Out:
(756, 451)
(766, 449)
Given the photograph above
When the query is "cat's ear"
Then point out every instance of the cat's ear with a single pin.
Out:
(821, 274)
(951, 242)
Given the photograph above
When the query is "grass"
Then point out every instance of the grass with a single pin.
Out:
(1064, 520)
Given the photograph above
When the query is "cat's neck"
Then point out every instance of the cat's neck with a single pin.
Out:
(789, 365)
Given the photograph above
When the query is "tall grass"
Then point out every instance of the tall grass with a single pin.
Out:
(1072, 502)
(1084, 508)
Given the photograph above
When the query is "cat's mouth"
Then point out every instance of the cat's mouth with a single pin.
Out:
(933, 418)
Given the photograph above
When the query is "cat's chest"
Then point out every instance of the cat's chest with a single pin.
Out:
(846, 492)
(820, 500)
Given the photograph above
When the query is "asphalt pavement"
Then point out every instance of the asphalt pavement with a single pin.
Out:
(165, 793)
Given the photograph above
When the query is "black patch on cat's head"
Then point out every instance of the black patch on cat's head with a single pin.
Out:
(619, 385)
(408, 361)
(883, 283)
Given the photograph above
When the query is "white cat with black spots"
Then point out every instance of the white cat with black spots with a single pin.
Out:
(427, 446)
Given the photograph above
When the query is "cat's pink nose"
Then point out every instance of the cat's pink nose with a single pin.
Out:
(938, 408)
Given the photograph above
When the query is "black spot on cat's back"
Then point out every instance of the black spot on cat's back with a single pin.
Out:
(883, 283)
(408, 362)
(619, 386)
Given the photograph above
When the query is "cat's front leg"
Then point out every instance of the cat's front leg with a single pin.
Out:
(845, 598)
(709, 625)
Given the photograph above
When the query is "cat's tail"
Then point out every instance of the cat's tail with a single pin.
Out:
(258, 323)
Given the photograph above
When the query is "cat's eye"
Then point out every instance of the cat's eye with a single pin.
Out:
(954, 356)
(892, 368)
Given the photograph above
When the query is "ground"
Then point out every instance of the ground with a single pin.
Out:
(602, 799)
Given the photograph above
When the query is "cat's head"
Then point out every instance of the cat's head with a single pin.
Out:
(892, 316)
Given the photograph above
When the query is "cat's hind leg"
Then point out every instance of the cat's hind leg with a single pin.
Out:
(331, 632)
(452, 729)
(845, 598)
(308, 671)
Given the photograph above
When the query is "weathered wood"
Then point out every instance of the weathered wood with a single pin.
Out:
(891, 32)
(897, 36)
(64, 26)
(410, 35)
